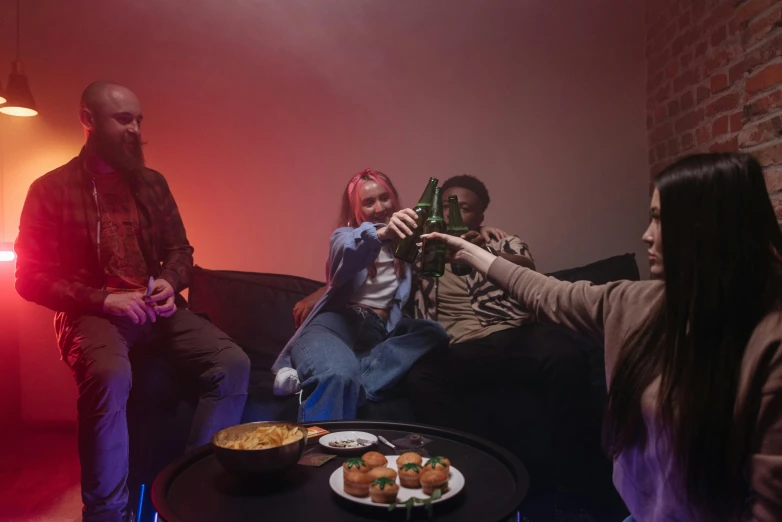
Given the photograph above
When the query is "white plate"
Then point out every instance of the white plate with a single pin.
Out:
(347, 435)
(455, 485)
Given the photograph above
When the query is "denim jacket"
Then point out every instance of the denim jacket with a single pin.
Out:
(351, 252)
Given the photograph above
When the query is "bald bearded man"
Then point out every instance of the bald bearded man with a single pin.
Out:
(94, 235)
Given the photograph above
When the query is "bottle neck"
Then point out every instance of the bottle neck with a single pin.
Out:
(427, 198)
(437, 206)
(455, 218)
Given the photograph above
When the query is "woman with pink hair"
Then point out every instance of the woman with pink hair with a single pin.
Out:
(355, 345)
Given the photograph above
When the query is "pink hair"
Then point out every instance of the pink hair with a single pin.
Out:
(356, 217)
(352, 216)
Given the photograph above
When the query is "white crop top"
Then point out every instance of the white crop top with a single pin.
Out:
(379, 291)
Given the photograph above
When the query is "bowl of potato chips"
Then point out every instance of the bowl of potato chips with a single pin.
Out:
(258, 449)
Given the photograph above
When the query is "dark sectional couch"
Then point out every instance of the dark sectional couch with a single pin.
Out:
(255, 310)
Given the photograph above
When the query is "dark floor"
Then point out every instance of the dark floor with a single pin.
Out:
(39, 475)
(602, 504)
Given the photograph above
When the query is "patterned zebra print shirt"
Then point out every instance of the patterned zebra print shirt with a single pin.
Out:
(491, 304)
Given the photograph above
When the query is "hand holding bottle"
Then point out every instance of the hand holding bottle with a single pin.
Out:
(401, 225)
(433, 251)
(474, 237)
(407, 247)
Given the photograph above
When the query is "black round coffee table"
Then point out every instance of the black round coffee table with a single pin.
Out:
(195, 488)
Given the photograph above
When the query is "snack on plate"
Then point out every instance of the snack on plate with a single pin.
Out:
(438, 463)
(410, 475)
(432, 480)
(265, 437)
(349, 443)
(374, 459)
(356, 483)
(355, 465)
(383, 491)
(410, 456)
(376, 473)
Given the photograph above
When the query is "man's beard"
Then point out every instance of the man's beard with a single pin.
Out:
(125, 156)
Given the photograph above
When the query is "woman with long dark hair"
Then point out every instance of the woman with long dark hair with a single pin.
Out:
(694, 358)
(355, 345)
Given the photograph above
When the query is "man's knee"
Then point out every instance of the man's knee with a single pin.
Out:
(105, 384)
(233, 366)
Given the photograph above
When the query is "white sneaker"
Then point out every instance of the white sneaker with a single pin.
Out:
(286, 382)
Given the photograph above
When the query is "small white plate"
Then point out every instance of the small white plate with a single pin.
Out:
(338, 436)
(455, 485)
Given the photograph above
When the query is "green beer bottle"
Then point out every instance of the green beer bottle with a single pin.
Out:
(407, 249)
(456, 227)
(433, 252)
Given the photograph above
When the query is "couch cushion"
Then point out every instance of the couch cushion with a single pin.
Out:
(617, 268)
(255, 310)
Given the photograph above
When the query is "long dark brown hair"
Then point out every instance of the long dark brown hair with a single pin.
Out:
(350, 211)
(720, 242)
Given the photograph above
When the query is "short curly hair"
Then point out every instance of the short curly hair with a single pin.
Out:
(470, 183)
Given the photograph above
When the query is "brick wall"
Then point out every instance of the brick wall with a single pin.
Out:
(715, 81)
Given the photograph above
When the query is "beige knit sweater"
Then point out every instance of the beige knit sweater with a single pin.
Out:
(649, 479)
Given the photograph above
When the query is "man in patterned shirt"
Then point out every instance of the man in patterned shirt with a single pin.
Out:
(493, 340)
(101, 243)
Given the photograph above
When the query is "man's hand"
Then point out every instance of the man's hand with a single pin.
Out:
(475, 237)
(490, 233)
(303, 308)
(129, 304)
(401, 225)
(162, 298)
